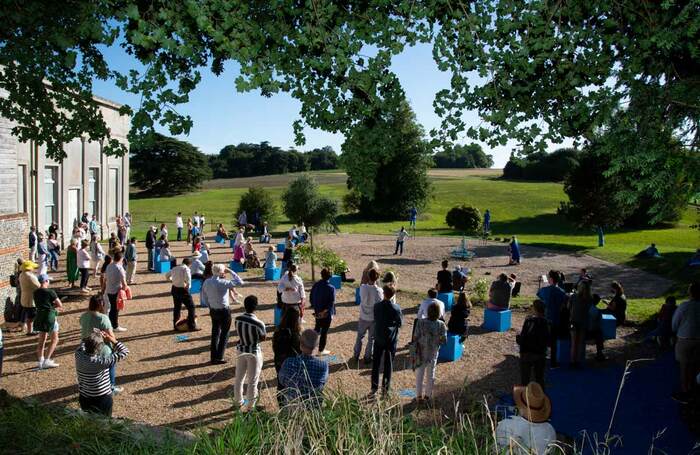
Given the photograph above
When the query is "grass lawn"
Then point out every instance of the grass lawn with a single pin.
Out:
(526, 209)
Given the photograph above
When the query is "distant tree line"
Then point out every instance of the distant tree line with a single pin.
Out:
(463, 156)
(542, 166)
(249, 160)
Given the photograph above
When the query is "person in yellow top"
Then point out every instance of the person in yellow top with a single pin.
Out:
(28, 283)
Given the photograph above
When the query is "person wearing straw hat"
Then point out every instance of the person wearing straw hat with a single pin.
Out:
(197, 266)
(529, 431)
(28, 283)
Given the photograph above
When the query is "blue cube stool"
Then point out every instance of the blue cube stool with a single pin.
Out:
(281, 247)
(608, 325)
(447, 298)
(451, 350)
(357, 296)
(278, 315)
(336, 281)
(196, 286)
(497, 321)
(236, 266)
(231, 242)
(273, 274)
(162, 266)
(219, 239)
(564, 352)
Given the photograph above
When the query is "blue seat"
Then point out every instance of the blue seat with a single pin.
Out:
(447, 298)
(278, 315)
(497, 321)
(357, 296)
(451, 350)
(162, 266)
(273, 274)
(336, 281)
(196, 286)
(281, 247)
(219, 239)
(608, 325)
(236, 266)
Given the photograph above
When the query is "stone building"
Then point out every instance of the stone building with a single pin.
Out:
(35, 190)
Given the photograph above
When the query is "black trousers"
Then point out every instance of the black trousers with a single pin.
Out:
(322, 326)
(84, 277)
(99, 405)
(181, 296)
(113, 311)
(220, 326)
(387, 353)
(530, 363)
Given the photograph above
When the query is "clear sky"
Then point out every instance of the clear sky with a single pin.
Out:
(222, 116)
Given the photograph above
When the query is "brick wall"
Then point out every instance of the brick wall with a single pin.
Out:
(13, 244)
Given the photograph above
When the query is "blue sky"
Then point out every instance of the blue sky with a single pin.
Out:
(223, 116)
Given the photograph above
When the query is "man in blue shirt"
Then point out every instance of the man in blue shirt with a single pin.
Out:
(387, 322)
(554, 299)
(215, 295)
(303, 377)
(323, 301)
(413, 217)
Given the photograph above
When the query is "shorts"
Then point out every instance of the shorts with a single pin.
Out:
(53, 329)
(687, 350)
(28, 313)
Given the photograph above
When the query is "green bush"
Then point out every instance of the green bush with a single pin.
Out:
(352, 201)
(464, 218)
(258, 199)
(481, 290)
(320, 255)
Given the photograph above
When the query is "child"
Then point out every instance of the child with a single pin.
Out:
(47, 306)
(271, 258)
(533, 340)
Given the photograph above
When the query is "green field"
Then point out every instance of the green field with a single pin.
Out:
(525, 209)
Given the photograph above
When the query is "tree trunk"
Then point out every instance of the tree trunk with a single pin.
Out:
(601, 236)
(313, 257)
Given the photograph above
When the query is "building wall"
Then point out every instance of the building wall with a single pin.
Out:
(13, 244)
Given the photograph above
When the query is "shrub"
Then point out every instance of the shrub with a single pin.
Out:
(464, 218)
(352, 202)
(481, 290)
(323, 256)
(258, 200)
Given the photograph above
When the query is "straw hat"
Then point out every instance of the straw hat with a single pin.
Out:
(532, 403)
(28, 265)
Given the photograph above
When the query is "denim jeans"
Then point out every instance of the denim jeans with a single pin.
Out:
(113, 375)
(179, 234)
(53, 259)
(151, 264)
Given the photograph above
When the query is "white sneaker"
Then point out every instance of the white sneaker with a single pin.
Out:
(325, 352)
(49, 363)
(117, 390)
(120, 329)
(40, 365)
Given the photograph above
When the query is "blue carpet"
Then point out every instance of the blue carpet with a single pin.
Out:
(584, 400)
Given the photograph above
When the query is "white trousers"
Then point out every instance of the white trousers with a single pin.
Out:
(421, 371)
(248, 368)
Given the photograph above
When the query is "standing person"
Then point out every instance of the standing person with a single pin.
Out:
(579, 308)
(400, 238)
(181, 278)
(215, 295)
(72, 263)
(292, 289)
(150, 246)
(428, 335)
(84, 265)
(413, 217)
(487, 221)
(686, 325)
(458, 323)
(115, 281)
(285, 341)
(387, 322)
(33, 240)
(243, 219)
(251, 332)
(131, 256)
(179, 225)
(370, 295)
(240, 238)
(533, 340)
(203, 225)
(28, 283)
(47, 306)
(514, 249)
(54, 252)
(97, 254)
(554, 299)
(93, 226)
(95, 319)
(322, 298)
(163, 231)
(365, 273)
(195, 219)
(43, 252)
(303, 377)
(444, 278)
(94, 386)
(189, 230)
(121, 230)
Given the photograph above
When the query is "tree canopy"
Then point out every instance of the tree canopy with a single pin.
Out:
(164, 165)
(542, 166)
(463, 156)
(534, 71)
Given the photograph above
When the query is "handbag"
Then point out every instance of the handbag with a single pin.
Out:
(121, 299)
(13, 280)
(127, 293)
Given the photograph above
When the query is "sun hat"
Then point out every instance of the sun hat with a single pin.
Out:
(196, 255)
(44, 278)
(532, 402)
(28, 265)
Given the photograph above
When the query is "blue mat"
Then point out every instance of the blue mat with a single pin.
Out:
(584, 400)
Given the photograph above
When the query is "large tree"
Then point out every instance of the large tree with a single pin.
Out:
(386, 160)
(164, 165)
(463, 156)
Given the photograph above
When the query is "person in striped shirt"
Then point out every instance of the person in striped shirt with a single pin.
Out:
(251, 332)
(95, 388)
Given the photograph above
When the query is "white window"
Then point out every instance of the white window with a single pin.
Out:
(93, 191)
(113, 194)
(50, 195)
(22, 188)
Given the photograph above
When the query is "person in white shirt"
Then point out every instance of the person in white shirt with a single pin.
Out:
(195, 219)
(529, 432)
(182, 280)
(215, 295)
(292, 289)
(425, 304)
(240, 238)
(265, 238)
(293, 235)
(400, 238)
(179, 225)
(197, 266)
(370, 295)
(202, 223)
(84, 265)
(303, 235)
(97, 253)
(164, 231)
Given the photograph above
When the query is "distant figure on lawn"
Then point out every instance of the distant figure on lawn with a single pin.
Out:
(514, 250)
(487, 221)
(400, 238)
(499, 294)
(650, 252)
(413, 217)
(529, 431)
(303, 377)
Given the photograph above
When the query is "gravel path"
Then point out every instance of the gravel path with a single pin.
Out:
(170, 382)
